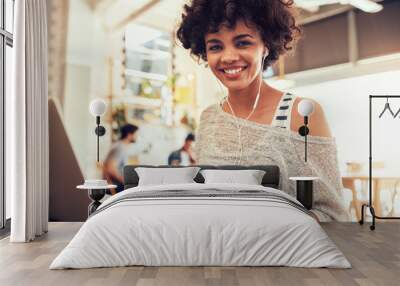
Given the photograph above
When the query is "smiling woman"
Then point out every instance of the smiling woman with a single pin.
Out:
(255, 123)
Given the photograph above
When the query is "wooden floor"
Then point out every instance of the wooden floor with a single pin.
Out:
(375, 257)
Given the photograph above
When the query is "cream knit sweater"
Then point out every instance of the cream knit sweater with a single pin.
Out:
(218, 144)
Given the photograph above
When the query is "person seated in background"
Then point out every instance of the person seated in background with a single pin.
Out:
(183, 156)
(117, 157)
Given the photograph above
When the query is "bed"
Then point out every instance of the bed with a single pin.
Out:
(198, 224)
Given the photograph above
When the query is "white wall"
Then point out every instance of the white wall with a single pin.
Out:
(86, 78)
(76, 103)
(78, 75)
(80, 33)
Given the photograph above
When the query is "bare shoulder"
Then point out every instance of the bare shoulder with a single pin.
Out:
(317, 122)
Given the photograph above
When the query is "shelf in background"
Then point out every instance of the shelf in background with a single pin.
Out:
(150, 76)
(140, 101)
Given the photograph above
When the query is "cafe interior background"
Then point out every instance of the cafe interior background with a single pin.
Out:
(126, 53)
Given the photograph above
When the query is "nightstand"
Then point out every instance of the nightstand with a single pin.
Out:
(96, 193)
(304, 190)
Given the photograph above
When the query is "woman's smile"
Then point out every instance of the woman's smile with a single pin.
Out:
(232, 73)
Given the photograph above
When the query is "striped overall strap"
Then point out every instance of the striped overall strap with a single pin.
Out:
(283, 111)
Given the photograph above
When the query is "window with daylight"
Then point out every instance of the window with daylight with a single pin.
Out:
(6, 45)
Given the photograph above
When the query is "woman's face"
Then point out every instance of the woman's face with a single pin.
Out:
(235, 55)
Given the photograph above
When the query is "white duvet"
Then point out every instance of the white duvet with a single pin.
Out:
(200, 231)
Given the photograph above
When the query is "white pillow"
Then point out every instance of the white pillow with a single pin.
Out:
(248, 177)
(162, 176)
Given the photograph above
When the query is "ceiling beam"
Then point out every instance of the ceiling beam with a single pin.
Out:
(323, 13)
(135, 14)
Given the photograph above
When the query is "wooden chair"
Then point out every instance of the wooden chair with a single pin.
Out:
(350, 183)
(355, 203)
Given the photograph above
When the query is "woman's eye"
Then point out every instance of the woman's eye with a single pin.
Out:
(214, 48)
(243, 44)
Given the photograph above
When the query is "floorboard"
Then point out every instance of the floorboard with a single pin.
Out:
(374, 255)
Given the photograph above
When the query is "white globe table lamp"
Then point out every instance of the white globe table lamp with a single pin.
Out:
(97, 108)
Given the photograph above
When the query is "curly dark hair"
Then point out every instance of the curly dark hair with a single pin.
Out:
(274, 19)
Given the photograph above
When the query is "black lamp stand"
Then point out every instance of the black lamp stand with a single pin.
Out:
(370, 204)
(304, 185)
(96, 195)
(100, 131)
(304, 193)
(303, 131)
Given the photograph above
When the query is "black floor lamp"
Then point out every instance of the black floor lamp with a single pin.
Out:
(370, 204)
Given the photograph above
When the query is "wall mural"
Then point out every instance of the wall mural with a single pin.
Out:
(213, 92)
